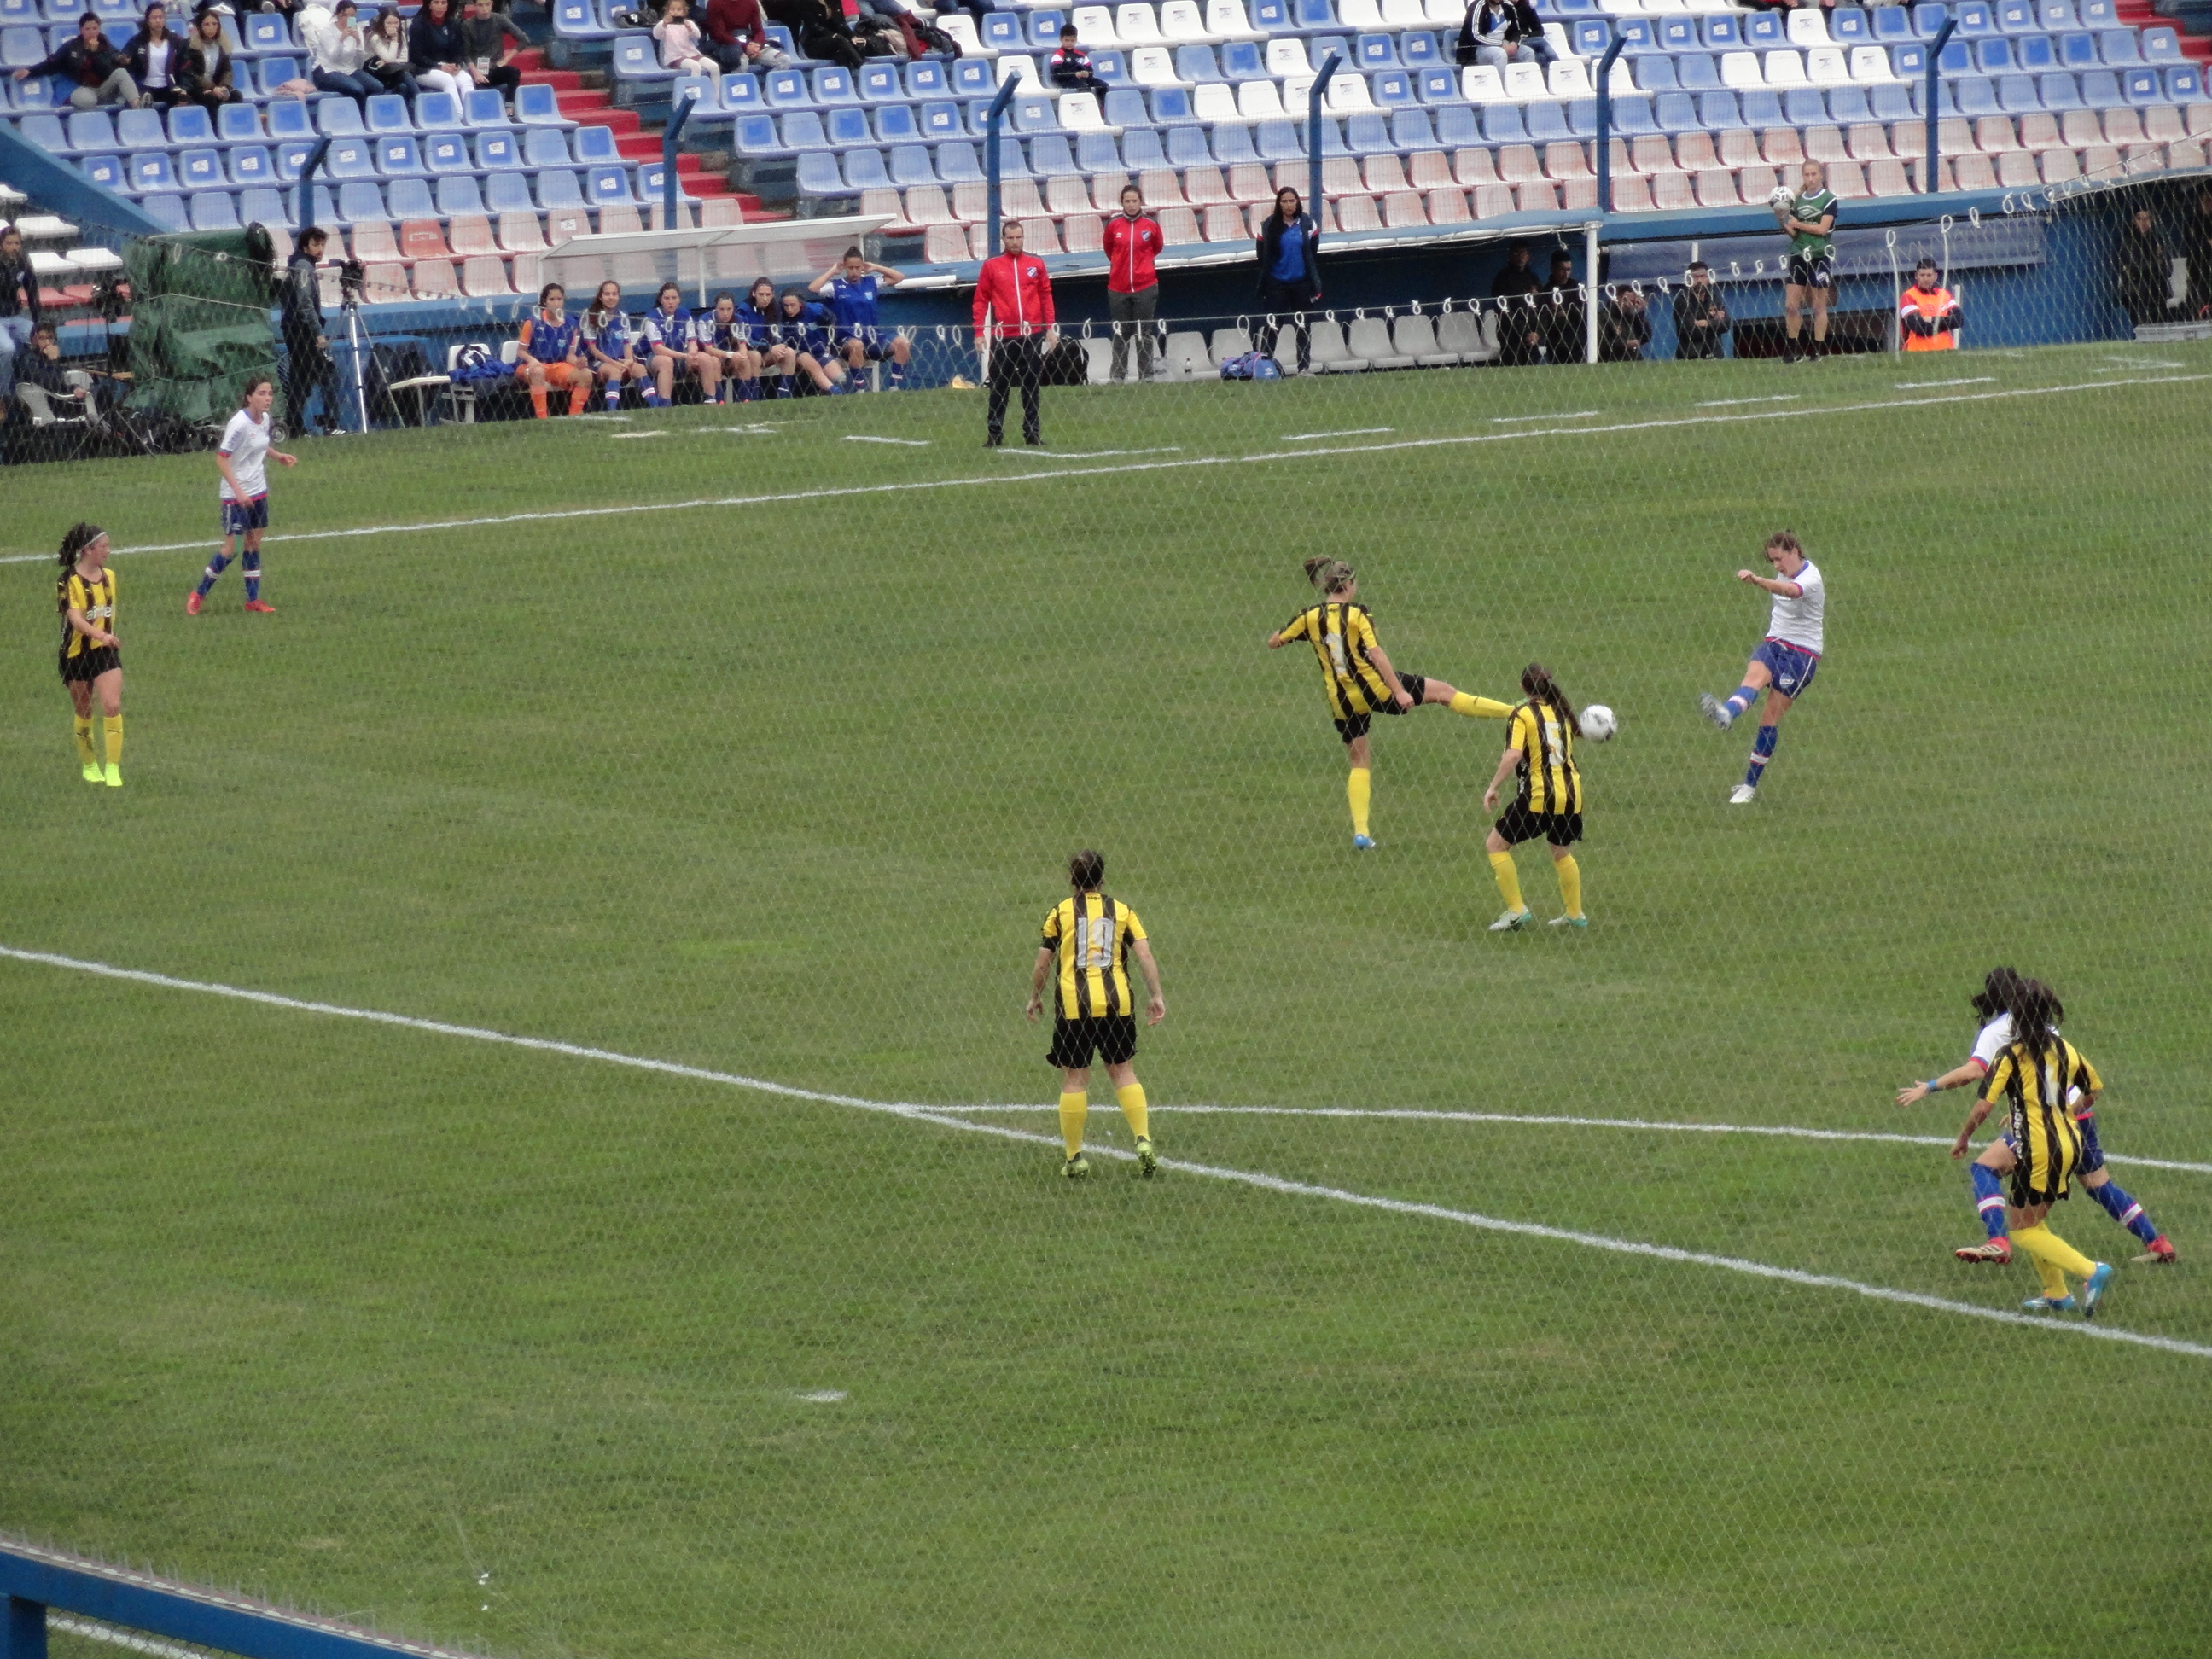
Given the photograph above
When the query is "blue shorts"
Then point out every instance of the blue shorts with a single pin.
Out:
(1793, 670)
(238, 517)
(876, 350)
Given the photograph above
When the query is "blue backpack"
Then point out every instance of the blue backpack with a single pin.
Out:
(1251, 366)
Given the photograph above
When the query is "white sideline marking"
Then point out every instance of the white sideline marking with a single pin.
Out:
(860, 437)
(1422, 1115)
(97, 1632)
(1923, 385)
(1579, 415)
(760, 429)
(2139, 363)
(824, 1396)
(1041, 454)
(619, 435)
(1738, 402)
(945, 1118)
(1001, 480)
(1349, 432)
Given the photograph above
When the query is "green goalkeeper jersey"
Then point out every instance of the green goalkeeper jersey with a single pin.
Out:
(1809, 208)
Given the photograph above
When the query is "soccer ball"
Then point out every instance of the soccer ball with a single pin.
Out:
(1780, 197)
(1598, 723)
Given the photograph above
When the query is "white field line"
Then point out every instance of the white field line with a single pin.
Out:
(1579, 415)
(1738, 402)
(619, 436)
(123, 1639)
(948, 1119)
(1027, 453)
(858, 438)
(1000, 480)
(1923, 385)
(1349, 432)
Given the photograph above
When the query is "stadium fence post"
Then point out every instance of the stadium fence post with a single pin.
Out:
(1928, 173)
(1605, 123)
(668, 164)
(306, 180)
(1006, 88)
(1589, 287)
(24, 1629)
(1314, 198)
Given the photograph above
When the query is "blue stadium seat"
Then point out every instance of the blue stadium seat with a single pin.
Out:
(1232, 144)
(1241, 60)
(1678, 34)
(1656, 73)
(786, 88)
(910, 165)
(1847, 105)
(1590, 38)
(835, 86)
(189, 124)
(941, 121)
(1640, 37)
(1633, 115)
(741, 94)
(2017, 95)
(1001, 31)
(1958, 58)
(595, 147)
(459, 196)
(91, 133)
(924, 80)
(387, 113)
(1721, 32)
(780, 38)
(34, 96)
(1109, 69)
(2035, 53)
(272, 73)
(1125, 107)
(1891, 101)
(2055, 16)
(864, 170)
(536, 104)
(558, 187)
(1369, 51)
(1314, 16)
(848, 127)
(1581, 117)
(262, 206)
(291, 156)
(409, 199)
(200, 169)
(1439, 85)
(606, 186)
(1696, 72)
(339, 117)
(1803, 106)
(1171, 104)
(1279, 140)
(1994, 56)
(2078, 51)
(1098, 152)
(1142, 147)
(1721, 109)
(1976, 20)
(2059, 91)
(1419, 49)
(1186, 148)
(1034, 114)
(1677, 112)
(214, 210)
(1502, 124)
(250, 164)
(1762, 107)
(140, 129)
(152, 173)
(167, 211)
(499, 152)
(957, 164)
(360, 199)
(1412, 129)
(895, 124)
(541, 146)
(351, 158)
(1457, 128)
(1044, 26)
(508, 193)
(972, 78)
(1392, 89)
(1909, 60)
(1013, 163)
(636, 58)
(2184, 84)
(2018, 17)
(879, 83)
(1369, 134)
(1196, 64)
(1547, 124)
(108, 171)
(1848, 25)
(397, 158)
(1928, 21)
(235, 123)
(485, 111)
(2118, 47)
(2142, 85)
(1974, 96)
(447, 153)
(1050, 157)
(1271, 16)
(1891, 23)
(802, 130)
(264, 32)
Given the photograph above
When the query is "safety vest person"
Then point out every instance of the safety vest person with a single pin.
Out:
(1928, 317)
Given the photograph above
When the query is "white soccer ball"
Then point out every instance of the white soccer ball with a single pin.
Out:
(1598, 723)
(1780, 197)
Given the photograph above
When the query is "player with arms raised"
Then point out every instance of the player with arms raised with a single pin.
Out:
(852, 285)
(1810, 219)
(1786, 660)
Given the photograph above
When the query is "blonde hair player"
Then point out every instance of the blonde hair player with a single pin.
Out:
(1359, 679)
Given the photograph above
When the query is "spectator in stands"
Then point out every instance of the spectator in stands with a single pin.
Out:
(1015, 325)
(1624, 326)
(1290, 273)
(819, 28)
(436, 52)
(2196, 245)
(153, 58)
(95, 67)
(1700, 315)
(671, 339)
(19, 304)
(204, 69)
(550, 353)
(1928, 318)
(607, 345)
(1520, 330)
(307, 366)
(386, 47)
(336, 53)
(1561, 312)
(1490, 33)
(2146, 269)
(491, 41)
(737, 37)
(679, 38)
(1132, 288)
(804, 327)
(1069, 69)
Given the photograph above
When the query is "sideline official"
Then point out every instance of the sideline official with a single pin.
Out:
(1014, 323)
(1928, 317)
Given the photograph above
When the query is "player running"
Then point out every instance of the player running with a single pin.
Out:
(1359, 679)
(852, 284)
(2039, 1074)
(1810, 219)
(92, 657)
(1786, 660)
(2001, 988)
(1540, 749)
(241, 458)
(1090, 936)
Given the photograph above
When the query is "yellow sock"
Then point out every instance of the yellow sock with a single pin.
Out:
(1356, 791)
(1073, 1109)
(114, 725)
(2046, 1246)
(1509, 880)
(2054, 1282)
(83, 725)
(1133, 1109)
(1571, 883)
(1480, 708)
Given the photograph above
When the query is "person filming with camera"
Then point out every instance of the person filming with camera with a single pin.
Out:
(307, 365)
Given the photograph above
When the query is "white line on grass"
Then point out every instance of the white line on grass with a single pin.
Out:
(1422, 1115)
(2139, 363)
(121, 1638)
(1923, 385)
(619, 435)
(1349, 432)
(1001, 480)
(1028, 453)
(1738, 402)
(947, 1118)
(860, 437)
(1579, 415)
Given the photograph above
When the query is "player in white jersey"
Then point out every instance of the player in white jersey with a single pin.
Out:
(2001, 988)
(1787, 658)
(242, 457)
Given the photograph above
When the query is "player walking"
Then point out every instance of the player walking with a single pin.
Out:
(92, 657)
(242, 457)
(1786, 660)
(853, 285)
(1359, 679)
(2002, 987)
(1540, 749)
(1090, 936)
(1810, 219)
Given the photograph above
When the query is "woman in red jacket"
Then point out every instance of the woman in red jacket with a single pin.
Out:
(1132, 288)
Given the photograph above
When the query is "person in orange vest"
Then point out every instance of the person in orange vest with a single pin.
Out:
(1928, 316)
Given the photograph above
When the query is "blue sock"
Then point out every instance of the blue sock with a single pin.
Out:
(216, 566)
(253, 575)
(652, 398)
(2124, 1210)
(783, 386)
(898, 373)
(1762, 751)
(749, 390)
(1740, 700)
(1988, 1198)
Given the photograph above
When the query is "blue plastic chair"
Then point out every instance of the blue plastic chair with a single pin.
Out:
(1976, 20)
(1697, 72)
(263, 32)
(1456, 126)
(1143, 148)
(1438, 85)
(972, 78)
(2057, 16)
(1678, 34)
(2059, 91)
(1632, 116)
(508, 193)
(2017, 95)
(802, 130)
(559, 188)
(447, 153)
(957, 164)
(498, 152)
(834, 86)
(942, 121)
(141, 129)
(200, 169)
(1369, 134)
(1722, 32)
(1196, 64)
(1369, 51)
(1044, 26)
(387, 113)
(1637, 33)
(1051, 158)
(2118, 47)
(351, 158)
(880, 84)
(214, 210)
(2016, 17)
(1657, 74)
(339, 117)
(249, 164)
(1279, 141)
(1847, 105)
(1098, 152)
(1548, 123)
(2035, 53)
(1034, 114)
(848, 129)
(895, 124)
(1928, 21)
(1392, 89)
(1241, 60)
(2184, 84)
(484, 110)
(1975, 96)
(1848, 25)
(786, 88)
(238, 124)
(397, 158)
(1994, 56)
(910, 165)
(636, 59)
(610, 186)
(1272, 17)
(924, 80)
(1171, 104)
(1677, 112)
(1958, 59)
(1891, 23)
(1803, 106)
(864, 170)
(1419, 49)
(595, 147)
(1001, 31)
(1412, 129)
(541, 146)
(1892, 101)
(360, 199)
(167, 211)
(536, 104)
(1502, 124)
(2142, 85)
(1721, 109)
(409, 199)
(108, 171)
(458, 195)
(1762, 107)
(1909, 62)
(1590, 37)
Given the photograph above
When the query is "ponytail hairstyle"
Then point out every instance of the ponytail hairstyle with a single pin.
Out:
(1787, 541)
(1536, 681)
(2035, 1011)
(254, 383)
(2000, 990)
(76, 539)
(1330, 575)
(1085, 869)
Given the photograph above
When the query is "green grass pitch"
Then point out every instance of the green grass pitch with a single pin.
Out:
(360, 1314)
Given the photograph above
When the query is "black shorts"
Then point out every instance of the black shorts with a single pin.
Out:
(89, 665)
(1517, 823)
(1113, 1036)
(1415, 684)
(1811, 273)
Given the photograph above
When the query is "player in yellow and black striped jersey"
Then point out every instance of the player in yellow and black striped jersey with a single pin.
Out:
(91, 656)
(1540, 750)
(2042, 1081)
(1359, 679)
(1088, 939)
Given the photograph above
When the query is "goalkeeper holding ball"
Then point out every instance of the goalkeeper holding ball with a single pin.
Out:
(1810, 216)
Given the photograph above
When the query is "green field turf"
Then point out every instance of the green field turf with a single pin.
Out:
(355, 1314)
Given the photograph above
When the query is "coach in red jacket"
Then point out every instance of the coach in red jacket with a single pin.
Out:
(1015, 295)
(1132, 288)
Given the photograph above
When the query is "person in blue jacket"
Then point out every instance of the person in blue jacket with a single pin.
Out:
(1289, 278)
(806, 328)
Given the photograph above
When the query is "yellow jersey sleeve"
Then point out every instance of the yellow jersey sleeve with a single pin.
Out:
(1050, 937)
(1358, 628)
(1298, 628)
(75, 597)
(1130, 921)
(1523, 734)
(1999, 1078)
(2085, 1075)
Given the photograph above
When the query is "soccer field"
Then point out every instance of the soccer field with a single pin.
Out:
(717, 741)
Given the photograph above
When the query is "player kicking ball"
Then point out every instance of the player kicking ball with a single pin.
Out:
(1786, 660)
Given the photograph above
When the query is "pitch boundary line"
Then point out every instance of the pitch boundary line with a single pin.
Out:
(944, 1118)
(1427, 1115)
(1001, 480)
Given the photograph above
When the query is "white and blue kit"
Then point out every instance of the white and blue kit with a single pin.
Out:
(671, 330)
(852, 303)
(1791, 649)
(246, 445)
